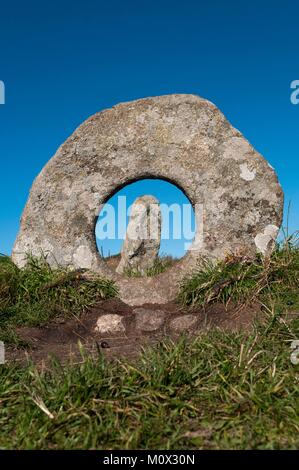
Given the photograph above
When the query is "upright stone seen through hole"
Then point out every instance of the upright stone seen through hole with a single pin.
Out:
(141, 246)
(145, 228)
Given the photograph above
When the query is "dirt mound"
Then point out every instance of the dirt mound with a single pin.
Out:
(141, 326)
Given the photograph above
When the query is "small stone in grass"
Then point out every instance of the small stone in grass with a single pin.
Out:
(110, 323)
(183, 323)
(148, 320)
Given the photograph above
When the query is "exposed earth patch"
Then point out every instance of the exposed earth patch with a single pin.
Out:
(130, 329)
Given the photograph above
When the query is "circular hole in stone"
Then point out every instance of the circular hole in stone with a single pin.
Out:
(147, 257)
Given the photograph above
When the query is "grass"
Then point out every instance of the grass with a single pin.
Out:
(161, 264)
(219, 391)
(274, 280)
(37, 293)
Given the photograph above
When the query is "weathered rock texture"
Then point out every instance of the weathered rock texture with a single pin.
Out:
(142, 243)
(181, 138)
(183, 323)
(149, 320)
(111, 323)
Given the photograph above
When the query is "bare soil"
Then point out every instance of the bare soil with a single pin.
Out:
(61, 337)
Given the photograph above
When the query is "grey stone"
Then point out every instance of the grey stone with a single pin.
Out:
(110, 323)
(149, 320)
(142, 243)
(183, 323)
(183, 139)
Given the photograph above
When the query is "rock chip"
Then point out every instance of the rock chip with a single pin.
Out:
(183, 323)
(149, 320)
(110, 323)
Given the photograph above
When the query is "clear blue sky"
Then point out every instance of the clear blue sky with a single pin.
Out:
(62, 61)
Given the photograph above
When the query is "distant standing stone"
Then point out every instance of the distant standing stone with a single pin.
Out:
(110, 323)
(142, 243)
(183, 323)
(148, 320)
